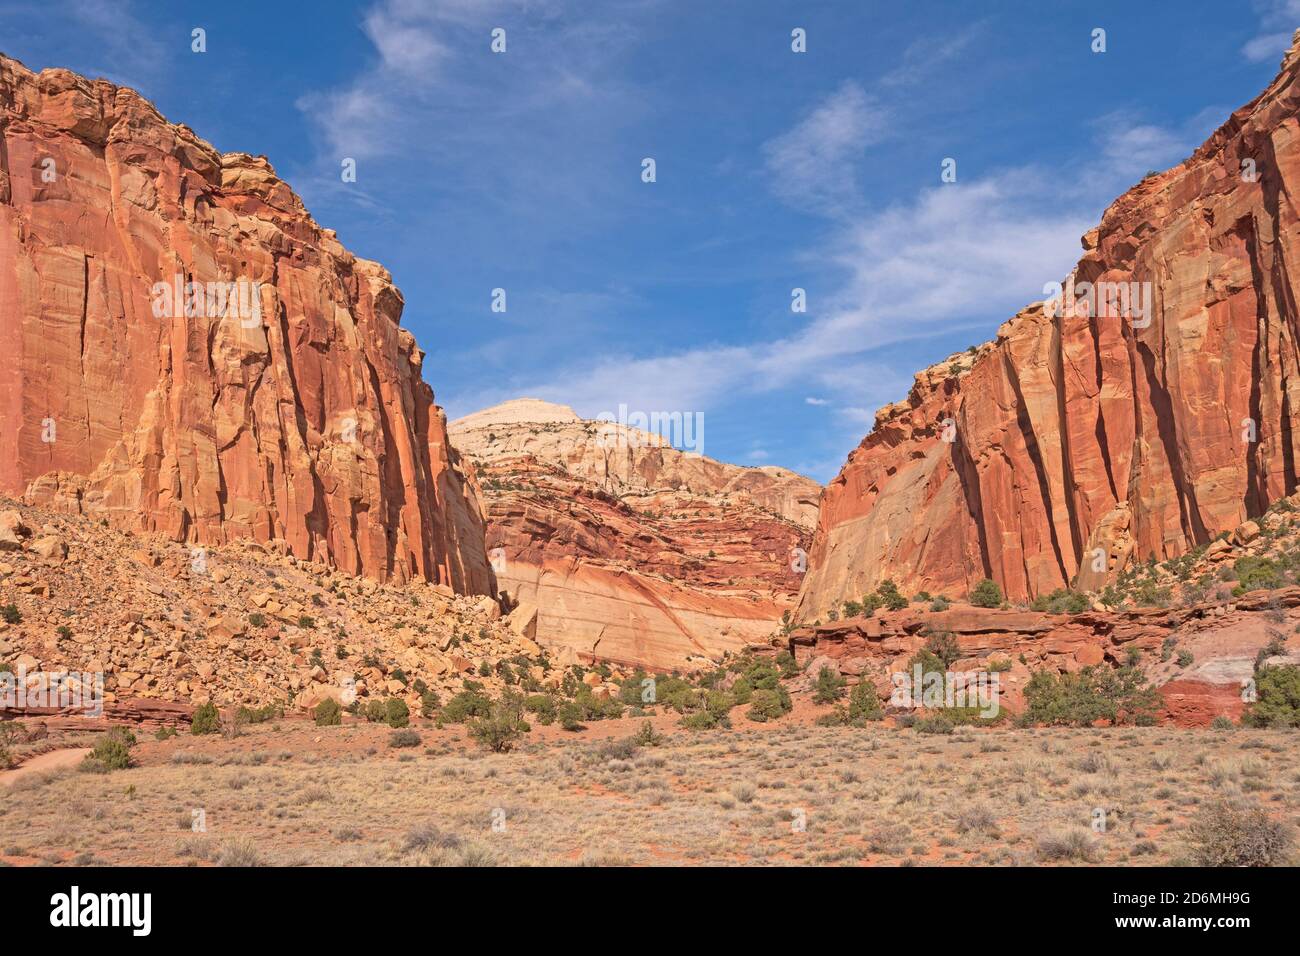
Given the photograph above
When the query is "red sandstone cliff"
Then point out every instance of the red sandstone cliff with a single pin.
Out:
(1082, 431)
(292, 410)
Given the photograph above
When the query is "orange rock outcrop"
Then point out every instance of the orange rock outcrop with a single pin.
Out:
(186, 351)
(1221, 638)
(1079, 440)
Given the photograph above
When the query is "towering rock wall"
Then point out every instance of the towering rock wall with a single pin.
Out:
(1084, 438)
(622, 548)
(285, 405)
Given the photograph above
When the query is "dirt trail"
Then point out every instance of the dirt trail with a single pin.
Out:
(53, 760)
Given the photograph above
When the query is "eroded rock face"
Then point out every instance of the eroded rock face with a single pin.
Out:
(287, 405)
(1082, 440)
(621, 548)
(1220, 639)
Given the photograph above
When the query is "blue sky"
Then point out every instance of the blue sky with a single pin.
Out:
(775, 170)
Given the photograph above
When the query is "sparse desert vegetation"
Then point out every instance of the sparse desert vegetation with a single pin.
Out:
(646, 791)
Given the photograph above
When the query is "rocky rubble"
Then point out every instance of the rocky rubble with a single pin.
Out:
(242, 623)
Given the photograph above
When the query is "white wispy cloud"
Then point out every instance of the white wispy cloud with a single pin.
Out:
(949, 257)
(435, 101)
(127, 50)
(1278, 19)
(925, 55)
(943, 258)
(813, 166)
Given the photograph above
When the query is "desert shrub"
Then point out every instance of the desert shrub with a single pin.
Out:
(544, 706)
(1072, 845)
(934, 722)
(624, 749)
(1185, 658)
(768, 705)
(396, 713)
(206, 720)
(570, 716)
(1222, 722)
(259, 715)
(742, 690)
(944, 647)
(1277, 697)
(979, 818)
(760, 674)
(239, 851)
(631, 691)
(940, 603)
(1118, 695)
(403, 738)
(675, 693)
(1275, 647)
(1255, 573)
(257, 619)
(111, 752)
(1222, 834)
(890, 596)
(986, 594)
(786, 664)
(700, 720)
(929, 662)
(430, 702)
(998, 665)
(837, 717)
(11, 614)
(593, 708)
(1060, 601)
(713, 710)
(503, 726)
(829, 687)
(647, 736)
(8, 737)
(328, 713)
(864, 703)
(1150, 594)
(466, 704)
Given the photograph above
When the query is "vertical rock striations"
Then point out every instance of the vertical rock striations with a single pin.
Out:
(1085, 439)
(280, 402)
